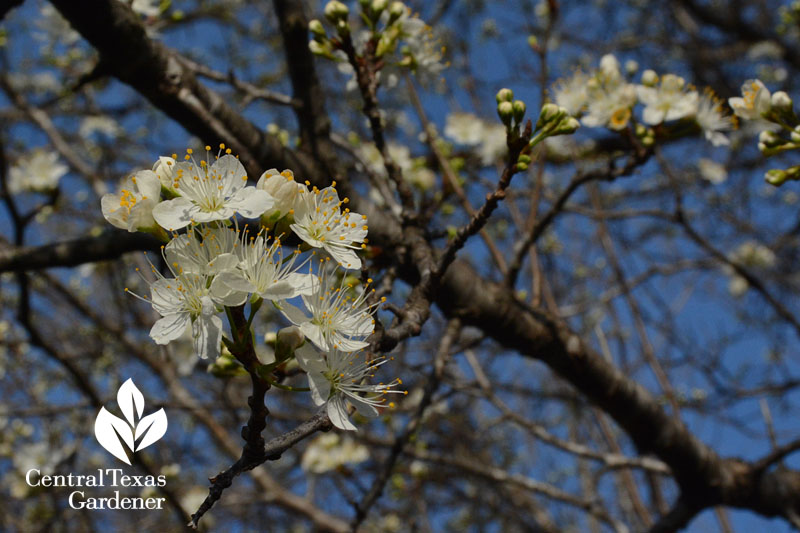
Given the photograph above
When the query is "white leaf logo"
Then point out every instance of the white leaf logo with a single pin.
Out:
(112, 431)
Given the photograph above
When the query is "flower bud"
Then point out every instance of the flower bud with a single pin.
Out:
(287, 341)
(770, 139)
(396, 10)
(378, 6)
(776, 177)
(550, 113)
(533, 42)
(315, 27)
(504, 95)
(335, 10)
(519, 110)
(781, 101)
(320, 49)
(567, 126)
(505, 110)
(649, 78)
(524, 158)
(795, 136)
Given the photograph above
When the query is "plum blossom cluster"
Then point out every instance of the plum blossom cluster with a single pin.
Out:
(392, 37)
(606, 97)
(214, 261)
(773, 114)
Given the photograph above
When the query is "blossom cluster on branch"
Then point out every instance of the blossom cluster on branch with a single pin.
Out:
(214, 265)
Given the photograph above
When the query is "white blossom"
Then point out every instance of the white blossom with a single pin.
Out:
(190, 300)
(210, 192)
(331, 451)
(132, 208)
(203, 250)
(713, 120)
(284, 189)
(261, 269)
(572, 93)
(669, 100)
(319, 221)
(338, 319)
(147, 8)
(38, 171)
(610, 97)
(754, 102)
(489, 138)
(712, 171)
(336, 378)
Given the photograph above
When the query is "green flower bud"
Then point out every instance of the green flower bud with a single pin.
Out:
(776, 177)
(378, 6)
(770, 139)
(569, 125)
(504, 95)
(519, 110)
(524, 158)
(649, 78)
(522, 166)
(315, 27)
(550, 113)
(396, 10)
(533, 42)
(320, 49)
(781, 102)
(335, 10)
(505, 110)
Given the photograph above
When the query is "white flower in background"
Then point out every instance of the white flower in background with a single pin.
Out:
(132, 208)
(203, 250)
(414, 170)
(610, 97)
(464, 128)
(339, 319)
(210, 192)
(54, 27)
(337, 377)
(754, 102)
(423, 51)
(106, 126)
(489, 138)
(262, 269)
(38, 82)
(284, 189)
(712, 171)
(753, 256)
(668, 101)
(331, 451)
(189, 300)
(38, 171)
(572, 93)
(713, 120)
(320, 223)
(147, 8)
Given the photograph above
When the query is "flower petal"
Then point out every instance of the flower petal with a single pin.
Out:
(169, 328)
(207, 335)
(175, 214)
(250, 202)
(337, 412)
